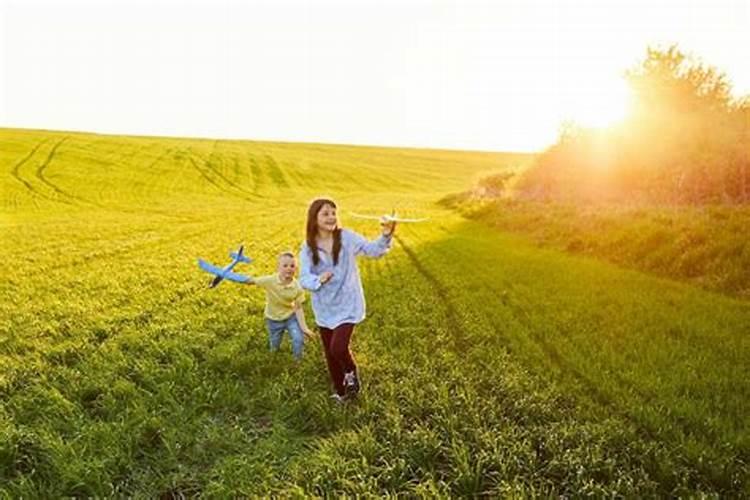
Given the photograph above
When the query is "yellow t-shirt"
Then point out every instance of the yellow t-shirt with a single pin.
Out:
(279, 296)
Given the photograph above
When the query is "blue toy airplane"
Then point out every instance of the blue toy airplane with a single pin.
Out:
(226, 272)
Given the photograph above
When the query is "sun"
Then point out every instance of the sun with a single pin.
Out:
(602, 107)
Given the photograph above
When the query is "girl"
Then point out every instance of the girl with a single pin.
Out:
(328, 268)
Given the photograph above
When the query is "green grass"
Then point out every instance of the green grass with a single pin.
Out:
(707, 246)
(490, 366)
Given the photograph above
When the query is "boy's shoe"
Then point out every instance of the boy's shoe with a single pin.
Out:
(351, 384)
(338, 398)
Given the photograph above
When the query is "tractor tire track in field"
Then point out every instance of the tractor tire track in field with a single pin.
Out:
(249, 173)
(590, 387)
(16, 173)
(681, 429)
(590, 390)
(238, 169)
(140, 211)
(227, 186)
(256, 173)
(522, 316)
(150, 166)
(275, 172)
(454, 322)
(66, 197)
(209, 163)
(300, 179)
(69, 198)
(207, 177)
(151, 211)
(461, 344)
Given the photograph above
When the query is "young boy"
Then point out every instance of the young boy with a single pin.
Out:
(284, 298)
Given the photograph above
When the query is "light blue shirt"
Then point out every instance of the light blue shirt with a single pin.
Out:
(340, 300)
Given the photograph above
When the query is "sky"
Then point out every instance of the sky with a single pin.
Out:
(483, 75)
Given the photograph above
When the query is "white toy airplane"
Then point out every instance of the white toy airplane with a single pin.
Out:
(384, 219)
(226, 272)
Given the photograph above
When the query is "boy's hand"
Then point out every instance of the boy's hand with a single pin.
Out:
(326, 277)
(309, 333)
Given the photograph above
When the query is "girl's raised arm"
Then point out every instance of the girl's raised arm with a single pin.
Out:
(375, 248)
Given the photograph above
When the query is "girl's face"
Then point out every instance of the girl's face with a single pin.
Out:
(327, 218)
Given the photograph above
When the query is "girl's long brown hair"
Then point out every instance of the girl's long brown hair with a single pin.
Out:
(312, 230)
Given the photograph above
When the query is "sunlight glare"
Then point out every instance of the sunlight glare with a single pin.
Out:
(603, 108)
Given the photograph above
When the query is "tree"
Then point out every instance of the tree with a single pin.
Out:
(685, 141)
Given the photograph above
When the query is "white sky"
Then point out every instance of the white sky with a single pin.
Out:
(463, 74)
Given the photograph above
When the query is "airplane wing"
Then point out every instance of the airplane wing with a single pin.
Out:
(210, 268)
(239, 278)
(400, 219)
(387, 218)
(359, 216)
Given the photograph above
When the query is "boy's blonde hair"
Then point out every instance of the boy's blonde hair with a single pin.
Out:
(286, 254)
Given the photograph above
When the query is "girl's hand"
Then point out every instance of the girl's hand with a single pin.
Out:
(326, 277)
(309, 333)
(388, 227)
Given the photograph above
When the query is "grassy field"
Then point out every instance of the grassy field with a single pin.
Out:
(707, 246)
(490, 366)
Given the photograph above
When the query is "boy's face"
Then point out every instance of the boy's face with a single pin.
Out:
(327, 218)
(287, 267)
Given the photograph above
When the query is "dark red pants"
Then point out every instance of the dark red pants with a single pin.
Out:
(338, 356)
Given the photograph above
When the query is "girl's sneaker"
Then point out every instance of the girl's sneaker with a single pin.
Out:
(351, 384)
(338, 398)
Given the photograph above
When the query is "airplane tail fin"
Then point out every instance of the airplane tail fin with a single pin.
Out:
(239, 256)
